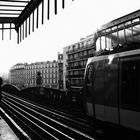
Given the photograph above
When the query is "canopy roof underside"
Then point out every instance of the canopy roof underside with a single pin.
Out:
(15, 13)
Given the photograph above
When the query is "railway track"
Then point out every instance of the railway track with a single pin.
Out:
(43, 123)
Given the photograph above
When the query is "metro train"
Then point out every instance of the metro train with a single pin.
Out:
(112, 88)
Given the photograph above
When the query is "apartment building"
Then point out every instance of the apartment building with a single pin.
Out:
(25, 75)
(17, 75)
(60, 70)
(48, 70)
(75, 59)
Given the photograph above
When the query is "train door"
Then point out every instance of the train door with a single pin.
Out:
(130, 92)
(99, 83)
(106, 89)
(89, 90)
(111, 110)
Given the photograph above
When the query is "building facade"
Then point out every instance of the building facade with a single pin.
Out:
(65, 64)
(48, 70)
(25, 75)
(17, 75)
(60, 70)
(75, 59)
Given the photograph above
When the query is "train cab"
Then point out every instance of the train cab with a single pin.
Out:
(112, 88)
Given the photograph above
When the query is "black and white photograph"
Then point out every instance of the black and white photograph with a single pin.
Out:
(69, 69)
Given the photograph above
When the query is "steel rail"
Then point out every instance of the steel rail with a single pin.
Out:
(3, 113)
(22, 123)
(66, 136)
(28, 118)
(54, 112)
(57, 122)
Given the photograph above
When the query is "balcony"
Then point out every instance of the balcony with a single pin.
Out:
(82, 48)
(79, 67)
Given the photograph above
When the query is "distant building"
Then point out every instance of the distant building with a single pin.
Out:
(24, 75)
(65, 64)
(75, 59)
(60, 70)
(48, 71)
(17, 75)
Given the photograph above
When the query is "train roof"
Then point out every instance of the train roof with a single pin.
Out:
(113, 55)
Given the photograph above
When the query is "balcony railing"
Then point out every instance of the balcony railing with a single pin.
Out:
(76, 67)
(82, 48)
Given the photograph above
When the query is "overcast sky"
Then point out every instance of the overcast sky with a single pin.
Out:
(79, 19)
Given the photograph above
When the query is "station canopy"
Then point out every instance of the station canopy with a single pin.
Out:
(24, 15)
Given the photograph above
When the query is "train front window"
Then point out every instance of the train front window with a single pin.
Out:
(130, 83)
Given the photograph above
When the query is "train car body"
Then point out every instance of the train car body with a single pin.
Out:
(112, 88)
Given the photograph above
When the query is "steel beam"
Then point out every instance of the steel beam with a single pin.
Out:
(9, 20)
(123, 19)
(31, 6)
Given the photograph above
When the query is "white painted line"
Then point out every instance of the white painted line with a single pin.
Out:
(14, 123)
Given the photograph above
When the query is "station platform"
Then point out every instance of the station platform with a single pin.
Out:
(6, 133)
